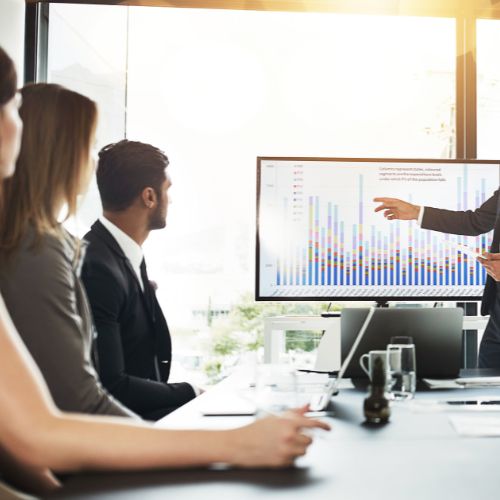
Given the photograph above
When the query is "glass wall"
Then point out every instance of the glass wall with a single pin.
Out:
(88, 53)
(488, 89)
(217, 88)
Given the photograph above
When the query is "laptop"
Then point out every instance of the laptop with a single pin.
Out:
(436, 332)
(320, 401)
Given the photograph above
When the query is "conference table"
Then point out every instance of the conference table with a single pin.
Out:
(417, 455)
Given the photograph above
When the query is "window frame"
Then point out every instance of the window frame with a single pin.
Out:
(465, 12)
(445, 8)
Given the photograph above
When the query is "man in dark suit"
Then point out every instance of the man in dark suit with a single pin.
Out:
(133, 340)
(468, 223)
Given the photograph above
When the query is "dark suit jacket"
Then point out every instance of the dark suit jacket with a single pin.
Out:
(133, 343)
(470, 223)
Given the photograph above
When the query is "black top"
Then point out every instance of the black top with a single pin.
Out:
(133, 340)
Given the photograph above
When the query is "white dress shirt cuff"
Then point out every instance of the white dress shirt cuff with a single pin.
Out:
(420, 215)
(196, 390)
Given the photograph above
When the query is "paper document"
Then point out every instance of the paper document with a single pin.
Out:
(476, 425)
(228, 404)
(463, 382)
(442, 384)
(484, 404)
(468, 251)
(478, 381)
(459, 247)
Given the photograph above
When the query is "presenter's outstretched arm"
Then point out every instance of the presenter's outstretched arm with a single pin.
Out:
(394, 208)
(40, 437)
(397, 209)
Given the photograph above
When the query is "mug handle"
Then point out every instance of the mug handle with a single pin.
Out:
(362, 364)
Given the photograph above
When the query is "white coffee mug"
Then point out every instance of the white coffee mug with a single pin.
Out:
(370, 358)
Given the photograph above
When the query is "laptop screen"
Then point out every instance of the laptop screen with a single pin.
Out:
(436, 332)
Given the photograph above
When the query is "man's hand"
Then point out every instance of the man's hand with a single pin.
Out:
(491, 262)
(397, 209)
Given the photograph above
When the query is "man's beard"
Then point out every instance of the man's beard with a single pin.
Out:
(158, 220)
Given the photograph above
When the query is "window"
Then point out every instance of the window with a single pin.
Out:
(488, 89)
(217, 88)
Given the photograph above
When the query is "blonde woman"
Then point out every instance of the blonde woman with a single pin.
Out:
(35, 436)
(39, 260)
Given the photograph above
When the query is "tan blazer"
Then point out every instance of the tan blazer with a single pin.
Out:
(45, 297)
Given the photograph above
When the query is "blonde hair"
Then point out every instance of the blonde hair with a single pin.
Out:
(59, 125)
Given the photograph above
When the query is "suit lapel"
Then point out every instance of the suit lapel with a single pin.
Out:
(496, 233)
(99, 229)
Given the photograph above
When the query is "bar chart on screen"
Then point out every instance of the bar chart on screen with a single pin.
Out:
(320, 237)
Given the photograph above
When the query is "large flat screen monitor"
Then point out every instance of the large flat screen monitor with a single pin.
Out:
(318, 237)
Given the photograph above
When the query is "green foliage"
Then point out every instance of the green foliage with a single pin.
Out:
(256, 341)
(302, 341)
(213, 370)
(226, 343)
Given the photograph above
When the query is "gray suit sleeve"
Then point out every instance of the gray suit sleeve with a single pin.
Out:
(468, 223)
(49, 308)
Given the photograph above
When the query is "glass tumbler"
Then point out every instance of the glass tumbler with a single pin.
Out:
(402, 373)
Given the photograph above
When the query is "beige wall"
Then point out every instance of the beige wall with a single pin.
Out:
(12, 31)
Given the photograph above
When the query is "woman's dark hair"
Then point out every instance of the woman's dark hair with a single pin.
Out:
(126, 168)
(8, 78)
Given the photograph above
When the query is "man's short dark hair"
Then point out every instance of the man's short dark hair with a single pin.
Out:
(125, 169)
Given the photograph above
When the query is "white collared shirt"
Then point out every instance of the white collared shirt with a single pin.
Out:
(131, 249)
(420, 215)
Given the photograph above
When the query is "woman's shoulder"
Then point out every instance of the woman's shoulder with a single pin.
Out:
(47, 248)
(41, 268)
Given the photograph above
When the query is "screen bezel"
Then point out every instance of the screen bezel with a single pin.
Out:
(258, 297)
